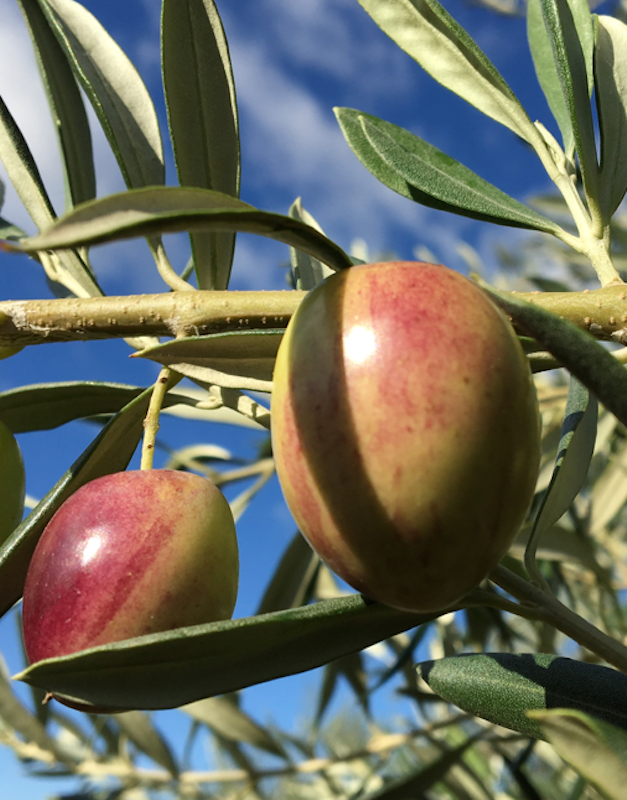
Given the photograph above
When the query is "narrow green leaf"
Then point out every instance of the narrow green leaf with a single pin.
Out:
(138, 727)
(611, 96)
(292, 581)
(574, 454)
(109, 452)
(112, 84)
(427, 32)
(66, 105)
(503, 687)
(573, 77)
(70, 270)
(225, 718)
(225, 358)
(575, 349)
(546, 72)
(437, 180)
(22, 170)
(168, 209)
(47, 405)
(596, 750)
(306, 271)
(178, 667)
(202, 114)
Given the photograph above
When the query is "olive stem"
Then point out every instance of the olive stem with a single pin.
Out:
(555, 613)
(166, 380)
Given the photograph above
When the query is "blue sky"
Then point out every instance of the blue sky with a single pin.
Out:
(293, 61)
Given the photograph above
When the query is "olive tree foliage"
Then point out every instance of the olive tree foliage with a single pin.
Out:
(524, 693)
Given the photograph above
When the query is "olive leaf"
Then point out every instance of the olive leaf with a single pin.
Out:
(112, 84)
(503, 687)
(429, 176)
(595, 749)
(427, 32)
(66, 105)
(168, 209)
(575, 349)
(235, 359)
(572, 72)
(22, 170)
(574, 454)
(611, 95)
(202, 115)
(177, 667)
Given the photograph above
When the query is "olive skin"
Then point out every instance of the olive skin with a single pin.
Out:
(129, 554)
(405, 430)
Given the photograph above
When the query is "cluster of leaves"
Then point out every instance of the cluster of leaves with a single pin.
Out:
(502, 657)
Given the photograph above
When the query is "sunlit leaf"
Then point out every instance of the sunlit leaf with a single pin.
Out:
(202, 114)
(595, 749)
(66, 105)
(22, 170)
(113, 86)
(307, 272)
(427, 32)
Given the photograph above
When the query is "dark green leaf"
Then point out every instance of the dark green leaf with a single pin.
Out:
(66, 105)
(576, 350)
(427, 32)
(168, 209)
(224, 358)
(171, 669)
(596, 750)
(546, 71)
(119, 97)
(22, 170)
(503, 687)
(611, 95)
(574, 454)
(109, 452)
(47, 405)
(292, 582)
(573, 77)
(202, 113)
(437, 180)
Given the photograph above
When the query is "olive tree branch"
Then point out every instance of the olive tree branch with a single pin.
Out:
(602, 312)
(552, 611)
